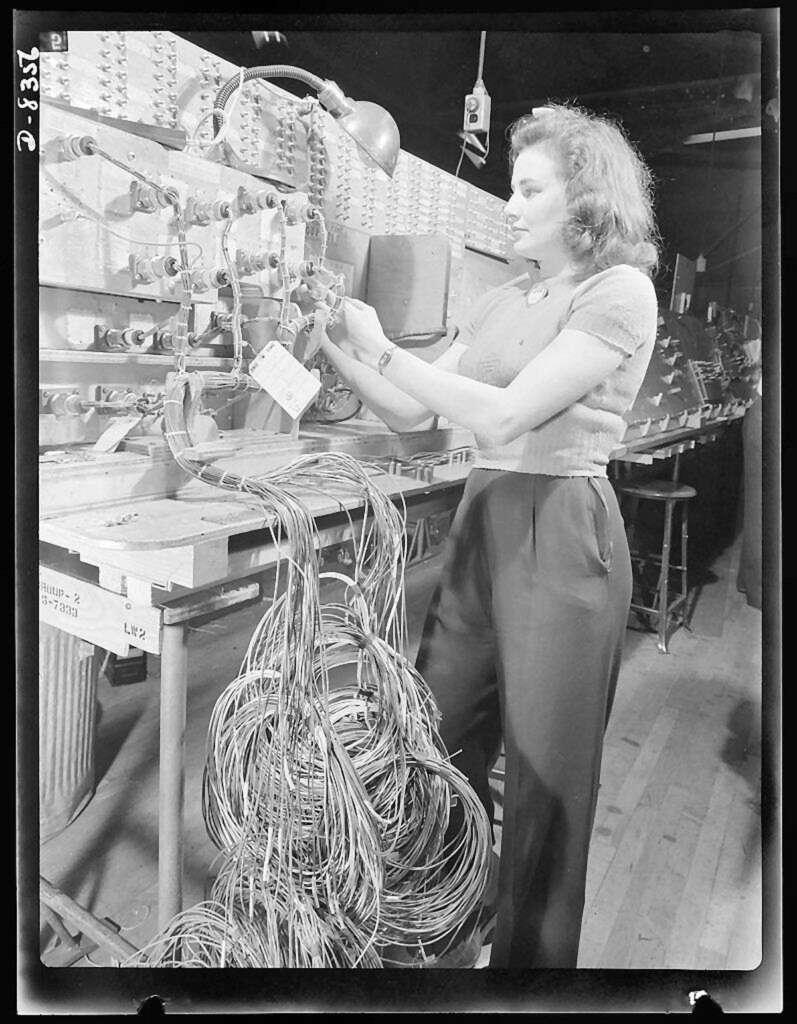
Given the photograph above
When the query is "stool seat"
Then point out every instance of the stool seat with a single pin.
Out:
(657, 490)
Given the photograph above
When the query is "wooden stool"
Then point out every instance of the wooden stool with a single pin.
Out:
(673, 495)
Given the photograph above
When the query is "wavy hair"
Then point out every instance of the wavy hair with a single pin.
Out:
(609, 187)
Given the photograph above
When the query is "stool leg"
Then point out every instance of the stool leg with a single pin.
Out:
(664, 578)
(684, 544)
(632, 522)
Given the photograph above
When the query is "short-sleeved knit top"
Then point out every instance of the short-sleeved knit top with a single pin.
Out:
(503, 333)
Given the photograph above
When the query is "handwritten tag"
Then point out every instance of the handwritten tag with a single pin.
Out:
(113, 435)
(284, 378)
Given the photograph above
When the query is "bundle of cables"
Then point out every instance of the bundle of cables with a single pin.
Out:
(346, 837)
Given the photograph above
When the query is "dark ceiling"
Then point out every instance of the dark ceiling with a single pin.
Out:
(663, 80)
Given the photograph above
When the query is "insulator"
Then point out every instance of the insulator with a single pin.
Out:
(223, 321)
(247, 203)
(114, 339)
(199, 281)
(164, 341)
(197, 212)
(143, 197)
(65, 405)
(168, 196)
(78, 145)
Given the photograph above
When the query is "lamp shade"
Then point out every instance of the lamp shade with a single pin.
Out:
(375, 132)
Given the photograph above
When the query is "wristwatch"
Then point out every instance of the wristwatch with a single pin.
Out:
(385, 358)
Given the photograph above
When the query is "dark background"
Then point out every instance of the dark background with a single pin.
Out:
(663, 75)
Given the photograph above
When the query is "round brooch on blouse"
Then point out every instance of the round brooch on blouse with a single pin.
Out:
(536, 293)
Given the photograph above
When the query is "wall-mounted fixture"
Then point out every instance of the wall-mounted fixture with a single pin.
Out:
(368, 124)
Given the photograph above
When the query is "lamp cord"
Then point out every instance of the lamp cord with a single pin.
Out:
(461, 154)
(481, 56)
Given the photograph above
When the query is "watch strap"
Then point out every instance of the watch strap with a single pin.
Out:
(385, 358)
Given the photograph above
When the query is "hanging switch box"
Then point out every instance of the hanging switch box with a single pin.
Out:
(477, 110)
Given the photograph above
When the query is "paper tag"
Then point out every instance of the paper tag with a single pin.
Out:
(284, 378)
(113, 435)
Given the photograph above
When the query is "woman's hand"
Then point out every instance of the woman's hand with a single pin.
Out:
(360, 327)
(317, 335)
(328, 337)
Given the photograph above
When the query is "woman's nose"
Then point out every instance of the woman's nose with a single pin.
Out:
(509, 212)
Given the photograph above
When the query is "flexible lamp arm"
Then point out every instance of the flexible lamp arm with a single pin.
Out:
(371, 127)
(330, 96)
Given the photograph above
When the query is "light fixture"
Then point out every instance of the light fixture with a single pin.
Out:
(731, 133)
(368, 124)
(261, 38)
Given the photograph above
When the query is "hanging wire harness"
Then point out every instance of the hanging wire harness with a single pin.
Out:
(330, 802)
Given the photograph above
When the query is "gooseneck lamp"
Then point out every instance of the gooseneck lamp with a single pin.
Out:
(368, 124)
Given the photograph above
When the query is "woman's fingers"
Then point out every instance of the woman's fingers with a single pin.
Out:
(317, 333)
(331, 347)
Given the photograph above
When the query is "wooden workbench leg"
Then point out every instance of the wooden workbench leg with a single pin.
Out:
(171, 772)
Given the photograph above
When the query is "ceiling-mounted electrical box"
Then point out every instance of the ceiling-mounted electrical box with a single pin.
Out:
(408, 282)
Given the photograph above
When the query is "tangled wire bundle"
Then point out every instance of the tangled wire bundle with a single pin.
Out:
(327, 789)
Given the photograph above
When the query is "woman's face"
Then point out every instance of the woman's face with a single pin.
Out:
(537, 210)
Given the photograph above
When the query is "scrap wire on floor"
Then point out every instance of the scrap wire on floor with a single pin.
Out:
(329, 799)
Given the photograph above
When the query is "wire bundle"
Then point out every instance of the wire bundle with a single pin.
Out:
(327, 789)
(330, 805)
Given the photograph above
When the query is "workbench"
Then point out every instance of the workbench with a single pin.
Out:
(135, 572)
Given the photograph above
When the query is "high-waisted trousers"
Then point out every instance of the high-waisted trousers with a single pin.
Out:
(522, 645)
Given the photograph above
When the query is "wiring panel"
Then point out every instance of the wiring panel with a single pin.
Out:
(104, 230)
(162, 80)
(159, 79)
(129, 160)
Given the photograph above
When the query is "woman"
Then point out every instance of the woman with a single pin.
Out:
(523, 638)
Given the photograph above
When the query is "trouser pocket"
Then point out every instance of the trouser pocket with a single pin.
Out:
(602, 518)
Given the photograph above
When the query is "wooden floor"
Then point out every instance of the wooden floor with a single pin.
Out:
(675, 863)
